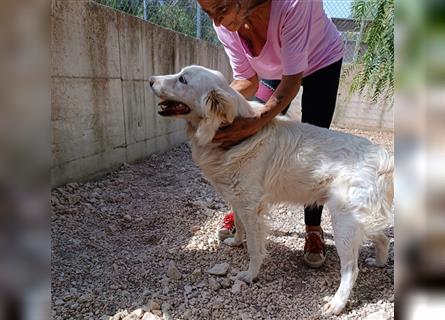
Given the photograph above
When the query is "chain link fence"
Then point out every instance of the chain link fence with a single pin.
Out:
(352, 30)
(186, 16)
(183, 16)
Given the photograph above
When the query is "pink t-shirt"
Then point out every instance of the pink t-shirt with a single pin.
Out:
(300, 38)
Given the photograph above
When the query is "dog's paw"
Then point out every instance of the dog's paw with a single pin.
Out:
(374, 263)
(335, 306)
(233, 242)
(245, 276)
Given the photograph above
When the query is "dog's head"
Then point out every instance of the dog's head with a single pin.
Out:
(199, 95)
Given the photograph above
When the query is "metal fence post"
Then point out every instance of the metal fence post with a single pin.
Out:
(145, 10)
(198, 21)
(358, 42)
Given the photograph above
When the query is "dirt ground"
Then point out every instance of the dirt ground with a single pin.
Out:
(137, 244)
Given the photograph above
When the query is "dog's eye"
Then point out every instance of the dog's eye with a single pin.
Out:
(182, 80)
(222, 9)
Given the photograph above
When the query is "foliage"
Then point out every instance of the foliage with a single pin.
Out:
(177, 15)
(375, 69)
(174, 17)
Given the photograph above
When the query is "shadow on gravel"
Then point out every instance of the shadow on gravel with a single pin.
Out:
(113, 241)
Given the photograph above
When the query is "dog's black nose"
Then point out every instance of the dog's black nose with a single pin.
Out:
(152, 81)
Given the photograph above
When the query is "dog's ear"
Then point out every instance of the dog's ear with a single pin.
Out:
(218, 107)
(221, 104)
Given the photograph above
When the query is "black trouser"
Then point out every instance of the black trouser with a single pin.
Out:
(317, 108)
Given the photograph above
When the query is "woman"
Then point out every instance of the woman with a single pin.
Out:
(274, 47)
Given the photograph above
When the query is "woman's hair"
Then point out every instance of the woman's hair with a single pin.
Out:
(253, 4)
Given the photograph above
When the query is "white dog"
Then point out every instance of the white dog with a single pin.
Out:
(287, 161)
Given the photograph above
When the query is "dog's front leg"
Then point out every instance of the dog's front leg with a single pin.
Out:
(256, 247)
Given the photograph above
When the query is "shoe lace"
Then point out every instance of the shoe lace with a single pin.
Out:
(229, 221)
(314, 243)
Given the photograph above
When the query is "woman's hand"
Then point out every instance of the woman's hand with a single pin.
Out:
(242, 128)
(238, 130)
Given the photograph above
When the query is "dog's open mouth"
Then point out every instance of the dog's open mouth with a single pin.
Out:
(171, 107)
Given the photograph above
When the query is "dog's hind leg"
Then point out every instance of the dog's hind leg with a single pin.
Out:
(348, 237)
(256, 243)
(240, 232)
(381, 244)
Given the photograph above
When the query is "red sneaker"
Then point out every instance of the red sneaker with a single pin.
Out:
(228, 228)
(314, 249)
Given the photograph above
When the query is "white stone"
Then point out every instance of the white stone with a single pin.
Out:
(214, 285)
(138, 312)
(196, 274)
(166, 311)
(237, 286)
(379, 315)
(84, 298)
(150, 316)
(153, 305)
(120, 315)
(188, 289)
(225, 283)
(173, 272)
(219, 269)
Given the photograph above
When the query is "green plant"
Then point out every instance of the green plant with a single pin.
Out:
(177, 15)
(374, 71)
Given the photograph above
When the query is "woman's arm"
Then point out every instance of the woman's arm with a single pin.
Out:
(286, 91)
(247, 88)
(243, 128)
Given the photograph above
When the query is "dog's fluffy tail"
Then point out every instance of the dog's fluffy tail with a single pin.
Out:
(380, 213)
(385, 184)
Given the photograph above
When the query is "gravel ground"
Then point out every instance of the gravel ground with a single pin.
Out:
(138, 244)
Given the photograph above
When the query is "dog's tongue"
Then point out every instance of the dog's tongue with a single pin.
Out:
(170, 107)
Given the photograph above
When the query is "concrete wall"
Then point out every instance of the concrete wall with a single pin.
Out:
(352, 111)
(103, 113)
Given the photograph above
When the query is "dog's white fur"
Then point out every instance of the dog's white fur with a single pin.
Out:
(286, 162)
